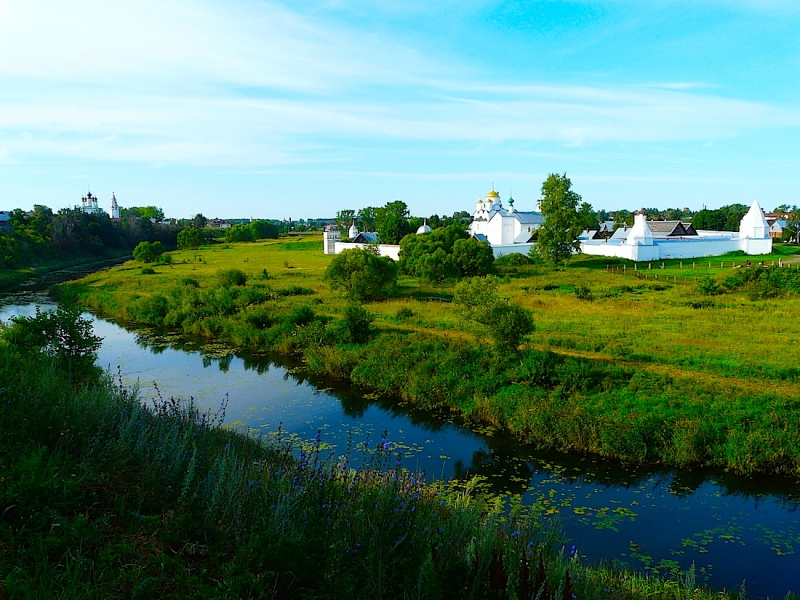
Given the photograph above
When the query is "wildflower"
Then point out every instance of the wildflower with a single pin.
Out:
(515, 534)
(572, 550)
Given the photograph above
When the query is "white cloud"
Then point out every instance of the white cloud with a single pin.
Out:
(257, 85)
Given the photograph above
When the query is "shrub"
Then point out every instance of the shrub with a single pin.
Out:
(362, 275)
(404, 313)
(144, 252)
(356, 322)
(147, 271)
(515, 259)
(708, 286)
(189, 282)
(231, 277)
(300, 315)
(190, 238)
(582, 292)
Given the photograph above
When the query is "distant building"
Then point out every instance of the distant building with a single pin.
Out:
(114, 211)
(89, 204)
(507, 230)
(5, 221)
(655, 240)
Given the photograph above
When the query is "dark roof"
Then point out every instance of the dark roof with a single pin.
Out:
(670, 228)
(366, 237)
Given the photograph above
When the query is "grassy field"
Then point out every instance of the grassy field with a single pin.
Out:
(621, 364)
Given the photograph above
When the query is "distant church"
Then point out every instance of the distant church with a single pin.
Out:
(89, 205)
(506, 230)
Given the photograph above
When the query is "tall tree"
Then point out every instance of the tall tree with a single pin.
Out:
(366, 216)
(344, 218)
(557, 237)
(391, 222)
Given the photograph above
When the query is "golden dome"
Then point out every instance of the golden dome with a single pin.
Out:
(492, 194)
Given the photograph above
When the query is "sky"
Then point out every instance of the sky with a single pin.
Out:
(263, 109)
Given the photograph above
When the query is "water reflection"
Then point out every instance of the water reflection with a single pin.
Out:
(655, 519)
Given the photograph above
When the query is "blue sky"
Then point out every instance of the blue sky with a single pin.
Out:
(263, 109)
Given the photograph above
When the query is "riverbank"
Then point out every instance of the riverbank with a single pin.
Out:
(102, 497)
(666, 375)
(46, 272)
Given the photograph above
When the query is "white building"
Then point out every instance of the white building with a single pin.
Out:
(655, 240)
(506, 229)
(114, 211)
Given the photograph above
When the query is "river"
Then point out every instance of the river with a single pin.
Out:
(731, 528)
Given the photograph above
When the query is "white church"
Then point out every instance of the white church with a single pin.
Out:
(507, 230)
(89, 204)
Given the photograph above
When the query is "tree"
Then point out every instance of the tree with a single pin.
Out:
(62, 335)
(190, 238)
(144, 252)
(362, 275)
(473, 258)
(366, 216)
(199, 221)
(344, 218)
(143, 212)
(391, 222)
(587, 217)
(262, 230)
(239, 233)
(557, 237)
(429, 256)
(507, 323)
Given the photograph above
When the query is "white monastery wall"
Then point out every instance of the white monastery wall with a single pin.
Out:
(387, 250)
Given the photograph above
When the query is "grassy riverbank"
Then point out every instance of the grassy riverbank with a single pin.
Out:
(104, 497)
(623, 366)
(11, 278)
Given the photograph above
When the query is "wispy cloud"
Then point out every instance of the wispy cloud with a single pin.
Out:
(257, 84)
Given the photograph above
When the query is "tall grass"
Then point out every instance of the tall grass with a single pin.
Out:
(103, 496)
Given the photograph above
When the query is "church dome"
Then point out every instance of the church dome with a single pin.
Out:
(424, 228)
(492, 196)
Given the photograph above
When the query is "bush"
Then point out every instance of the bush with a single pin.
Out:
(362, 275)
(300, 316)
(147, 271)
(708, 286)
(189, 282)
(582, 292)
(144, 252)
(515, 259)
(356, 323)
(404, 313)
(190, 239)
(231, 277)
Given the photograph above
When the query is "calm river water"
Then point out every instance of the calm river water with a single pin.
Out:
(731, 528)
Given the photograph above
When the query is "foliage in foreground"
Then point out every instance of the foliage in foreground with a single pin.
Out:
(102, 496)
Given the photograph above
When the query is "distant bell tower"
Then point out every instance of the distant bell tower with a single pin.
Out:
(114, 208)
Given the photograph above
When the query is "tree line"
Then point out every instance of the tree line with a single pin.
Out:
(41, 233)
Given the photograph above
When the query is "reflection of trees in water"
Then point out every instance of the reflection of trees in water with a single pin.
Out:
(503, 473)
(223, 362)
(506, 457)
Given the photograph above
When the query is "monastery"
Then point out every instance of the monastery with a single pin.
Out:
(508, 230)
(654, 240)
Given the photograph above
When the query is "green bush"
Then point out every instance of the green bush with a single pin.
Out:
(147, 271)
(189, 282)
(362, 275)
(231, 277)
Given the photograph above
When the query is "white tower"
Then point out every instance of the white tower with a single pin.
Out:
(114, 212)
(640, 233)
(331, 236)
(753, 225)
(353, 231)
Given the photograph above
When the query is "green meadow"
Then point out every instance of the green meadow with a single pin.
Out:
(676, 363)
